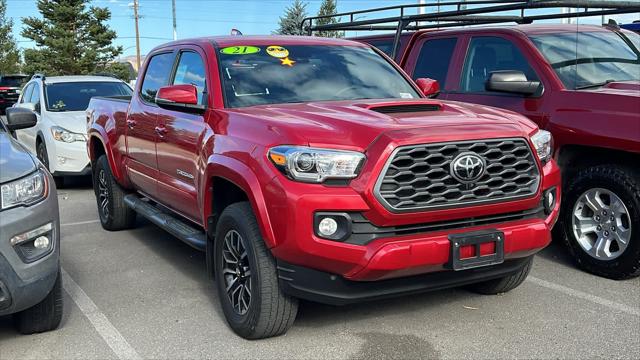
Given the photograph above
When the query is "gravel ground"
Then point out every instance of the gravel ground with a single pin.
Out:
(143, 294)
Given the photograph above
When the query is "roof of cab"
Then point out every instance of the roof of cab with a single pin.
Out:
(262, 40)
(79, 78)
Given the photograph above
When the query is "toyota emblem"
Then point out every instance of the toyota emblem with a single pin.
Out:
(468, 167)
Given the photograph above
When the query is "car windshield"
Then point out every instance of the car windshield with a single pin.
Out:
(597, 58)
(258, 75)
(75, 96)
(12, 81)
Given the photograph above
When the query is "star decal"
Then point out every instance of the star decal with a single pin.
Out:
(287, 61)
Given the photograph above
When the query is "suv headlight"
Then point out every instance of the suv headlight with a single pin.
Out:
(316, 165)
(62, 134)
(543, 142)
(25, 191)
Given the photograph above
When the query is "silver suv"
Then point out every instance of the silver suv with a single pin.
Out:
(30, 283)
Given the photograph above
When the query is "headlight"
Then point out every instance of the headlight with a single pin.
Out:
(25, 191)
(543, 142)
(61, 134)
(316, 165)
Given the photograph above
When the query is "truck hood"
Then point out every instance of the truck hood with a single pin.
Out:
(629, 89)
(357, 124)
(74, 121)
(15, 161)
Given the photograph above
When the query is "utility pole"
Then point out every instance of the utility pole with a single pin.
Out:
(175, 32)
(135, 17)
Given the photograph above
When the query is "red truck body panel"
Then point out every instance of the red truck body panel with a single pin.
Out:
(146, 145)
(557, 109)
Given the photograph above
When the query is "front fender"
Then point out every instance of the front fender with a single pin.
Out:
(243, 177)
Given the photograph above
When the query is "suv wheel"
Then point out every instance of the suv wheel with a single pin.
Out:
(114, 213)
(43, 156)
(246, 277)
(503, 284)
(600, 222)
(44, 316)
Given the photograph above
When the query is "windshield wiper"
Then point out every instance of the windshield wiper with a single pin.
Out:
(594, 85)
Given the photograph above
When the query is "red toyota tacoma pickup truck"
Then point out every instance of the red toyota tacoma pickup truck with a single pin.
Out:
(316, 169)
(584, 88)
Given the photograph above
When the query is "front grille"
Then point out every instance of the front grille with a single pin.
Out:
(419, 177)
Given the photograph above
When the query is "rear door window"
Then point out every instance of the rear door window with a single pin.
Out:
(156, 76)
(434, 59)
(488, 54)
(191, 70)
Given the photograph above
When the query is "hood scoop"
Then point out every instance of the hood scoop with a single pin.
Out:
(398, 108)
(624, 85)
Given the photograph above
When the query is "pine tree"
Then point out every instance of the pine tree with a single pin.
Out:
(70, 39)
(291, 22)
(328, 7)
(9, 53)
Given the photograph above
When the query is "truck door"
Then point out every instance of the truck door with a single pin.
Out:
(142, 164)
(179, 137)
(485, 54)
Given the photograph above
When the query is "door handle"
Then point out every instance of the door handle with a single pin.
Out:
(161, 131)
(131, 124)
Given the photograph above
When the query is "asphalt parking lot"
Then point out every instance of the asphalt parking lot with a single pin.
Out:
(143, 294)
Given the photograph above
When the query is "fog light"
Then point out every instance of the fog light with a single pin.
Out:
(327, 227)
(41, 242)
(19, 239)
(549, 200)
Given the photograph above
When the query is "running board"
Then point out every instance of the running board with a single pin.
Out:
(176, 227)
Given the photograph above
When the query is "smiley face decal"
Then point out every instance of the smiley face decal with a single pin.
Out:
(277, 51)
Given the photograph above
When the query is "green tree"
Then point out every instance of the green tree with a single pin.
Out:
(328, 7)
(9, 53)
(71, 39)
(290, 23)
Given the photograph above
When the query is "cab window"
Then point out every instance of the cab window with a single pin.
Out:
(191, 70)
(156, 76)
(434, 59)
(488, 54)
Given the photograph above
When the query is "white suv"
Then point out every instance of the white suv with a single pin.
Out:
(59, 138)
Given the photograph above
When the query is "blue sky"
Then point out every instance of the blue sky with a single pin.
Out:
(200, 17)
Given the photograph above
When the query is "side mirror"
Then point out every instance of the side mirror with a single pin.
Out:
(179, 97)
(20, 118)
(511, 81)
(429, 87)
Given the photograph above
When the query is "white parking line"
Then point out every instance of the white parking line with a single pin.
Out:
(81, 223)
(103, 326)
(585, 296)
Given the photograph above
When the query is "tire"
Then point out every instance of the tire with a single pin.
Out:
(503, 284)
(43, 156)
(44, 316)
(268, 311)
(622, 260)
(113, 212)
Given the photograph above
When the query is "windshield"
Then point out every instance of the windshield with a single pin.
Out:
(75, 96)
(601, 57)
(258, 75)
(12, 81)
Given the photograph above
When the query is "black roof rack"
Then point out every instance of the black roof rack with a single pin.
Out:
(38, 76)
(471, 12)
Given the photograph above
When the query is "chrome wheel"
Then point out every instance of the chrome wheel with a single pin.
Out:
(236, 272)
(103, 194)
(601, 224)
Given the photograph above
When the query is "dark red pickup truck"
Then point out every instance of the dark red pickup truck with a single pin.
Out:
(316, 169)
(583, 87)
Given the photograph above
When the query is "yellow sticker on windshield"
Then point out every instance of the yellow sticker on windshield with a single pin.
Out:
(277, 51)
(240, 50)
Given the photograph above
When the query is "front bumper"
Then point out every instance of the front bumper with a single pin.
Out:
(23, 285)
(69, 159)
(326, 288)
(399, 254)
